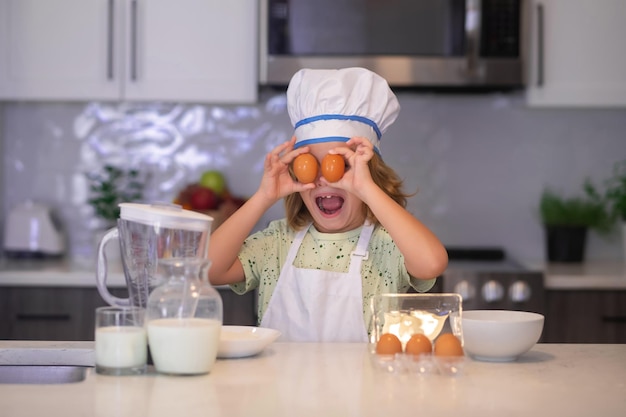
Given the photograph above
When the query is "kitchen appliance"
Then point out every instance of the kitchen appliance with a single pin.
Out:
(411, 43)
(146, 234)
(487, 279)
(31, 231)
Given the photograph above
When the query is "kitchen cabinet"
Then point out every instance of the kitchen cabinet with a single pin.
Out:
(134, 50)
(239, 310)
(66, 313)
(577, 55)
(4, 314)
(585, 316)
(53, 313)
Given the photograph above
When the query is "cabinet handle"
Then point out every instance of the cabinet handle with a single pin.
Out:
(472, 36)
(133, 41)
(110, 24)
(614, 319)
(540, 46)
(45, 317)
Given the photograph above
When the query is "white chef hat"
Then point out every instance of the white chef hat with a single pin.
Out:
(338, 104)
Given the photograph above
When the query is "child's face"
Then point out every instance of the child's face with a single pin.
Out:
(333, 209)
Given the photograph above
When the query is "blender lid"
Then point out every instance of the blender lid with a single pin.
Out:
(170, 216)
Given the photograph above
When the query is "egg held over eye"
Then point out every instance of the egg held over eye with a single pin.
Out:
(305, 168)
(333, 167)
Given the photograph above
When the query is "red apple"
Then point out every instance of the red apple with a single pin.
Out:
(202, 198)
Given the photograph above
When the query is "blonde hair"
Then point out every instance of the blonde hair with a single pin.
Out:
(383, 175)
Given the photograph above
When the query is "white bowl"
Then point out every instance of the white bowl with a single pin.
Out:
(500, 335)
(243, 341)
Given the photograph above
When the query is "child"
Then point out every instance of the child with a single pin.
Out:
(342, 242)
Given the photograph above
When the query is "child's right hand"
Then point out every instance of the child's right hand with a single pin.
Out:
(276, 182)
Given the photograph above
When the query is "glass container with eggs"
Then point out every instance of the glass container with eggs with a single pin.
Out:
(417, 333)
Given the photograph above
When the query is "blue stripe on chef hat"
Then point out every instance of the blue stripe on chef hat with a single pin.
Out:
(335, 105)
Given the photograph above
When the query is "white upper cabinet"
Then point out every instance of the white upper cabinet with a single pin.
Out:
(577, 54)
(59, 49)
(167, 50)
(201, 50)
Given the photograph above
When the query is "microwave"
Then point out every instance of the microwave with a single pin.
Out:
(411, 43)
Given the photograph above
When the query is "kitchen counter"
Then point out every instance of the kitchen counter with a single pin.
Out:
(309, 379)
(61, 273)
(57, 273)
(592, 275)
(41, 352)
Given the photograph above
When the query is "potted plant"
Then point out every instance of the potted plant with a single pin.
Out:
(567, 219)
(616, 191)
(615, 196)
(110, 187)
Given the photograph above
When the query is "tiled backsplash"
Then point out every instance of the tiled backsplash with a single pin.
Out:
(478, 161)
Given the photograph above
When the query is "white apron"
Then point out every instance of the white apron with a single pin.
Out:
(311, 305)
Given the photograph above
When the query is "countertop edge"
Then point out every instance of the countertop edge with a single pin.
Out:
(592, 275)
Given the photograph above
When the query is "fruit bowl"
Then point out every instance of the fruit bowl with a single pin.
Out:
(210, 196)
(223, 212)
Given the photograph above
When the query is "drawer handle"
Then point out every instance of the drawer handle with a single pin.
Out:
(540, 46)
(133, 41)
(110, 41)
(44, 317)
(614, 319)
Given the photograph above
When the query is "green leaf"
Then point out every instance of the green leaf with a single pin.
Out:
(112, 186)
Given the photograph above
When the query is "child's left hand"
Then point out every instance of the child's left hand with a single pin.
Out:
(357, 155)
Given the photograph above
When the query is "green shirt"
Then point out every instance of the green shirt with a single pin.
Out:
(264, 253)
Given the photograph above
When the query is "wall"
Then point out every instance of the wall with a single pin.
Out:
(479, 161)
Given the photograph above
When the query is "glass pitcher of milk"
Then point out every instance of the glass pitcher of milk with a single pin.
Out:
(184, 318)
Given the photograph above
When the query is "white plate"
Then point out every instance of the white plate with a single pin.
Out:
(242, 341)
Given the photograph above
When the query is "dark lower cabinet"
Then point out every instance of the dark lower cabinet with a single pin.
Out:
(585, 316)
(60, 313)
(54, 313)
(239, 310)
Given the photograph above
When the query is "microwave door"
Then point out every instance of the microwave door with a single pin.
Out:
(409, 42)
(367, 27)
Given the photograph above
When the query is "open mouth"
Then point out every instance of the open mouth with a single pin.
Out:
(329, 204)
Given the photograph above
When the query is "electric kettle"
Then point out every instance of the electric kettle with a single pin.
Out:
(32, 231)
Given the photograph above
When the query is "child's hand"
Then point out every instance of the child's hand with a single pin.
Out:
(276, 182)
(357, 154)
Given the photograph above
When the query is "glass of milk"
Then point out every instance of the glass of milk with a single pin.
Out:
(121, 341)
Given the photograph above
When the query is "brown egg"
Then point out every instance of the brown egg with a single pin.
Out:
(448, 345)
(305, 168)
(418, 344)
(388, 344)
(333, 167)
